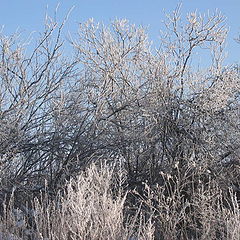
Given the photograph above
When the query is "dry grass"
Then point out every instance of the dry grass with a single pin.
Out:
(88, 208)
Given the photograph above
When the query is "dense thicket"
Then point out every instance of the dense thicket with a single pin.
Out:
(155, 114)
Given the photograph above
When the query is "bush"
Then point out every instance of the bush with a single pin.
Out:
(88, 209)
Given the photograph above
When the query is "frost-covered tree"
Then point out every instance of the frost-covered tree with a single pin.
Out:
(118, 98)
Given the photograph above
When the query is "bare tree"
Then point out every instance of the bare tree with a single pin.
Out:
(159, 108)
(30, 80)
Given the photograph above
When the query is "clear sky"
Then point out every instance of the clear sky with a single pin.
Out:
(28, 15)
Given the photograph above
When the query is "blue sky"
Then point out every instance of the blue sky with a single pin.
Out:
(28, 15)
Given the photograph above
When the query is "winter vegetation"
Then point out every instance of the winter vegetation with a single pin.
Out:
(120, 139)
